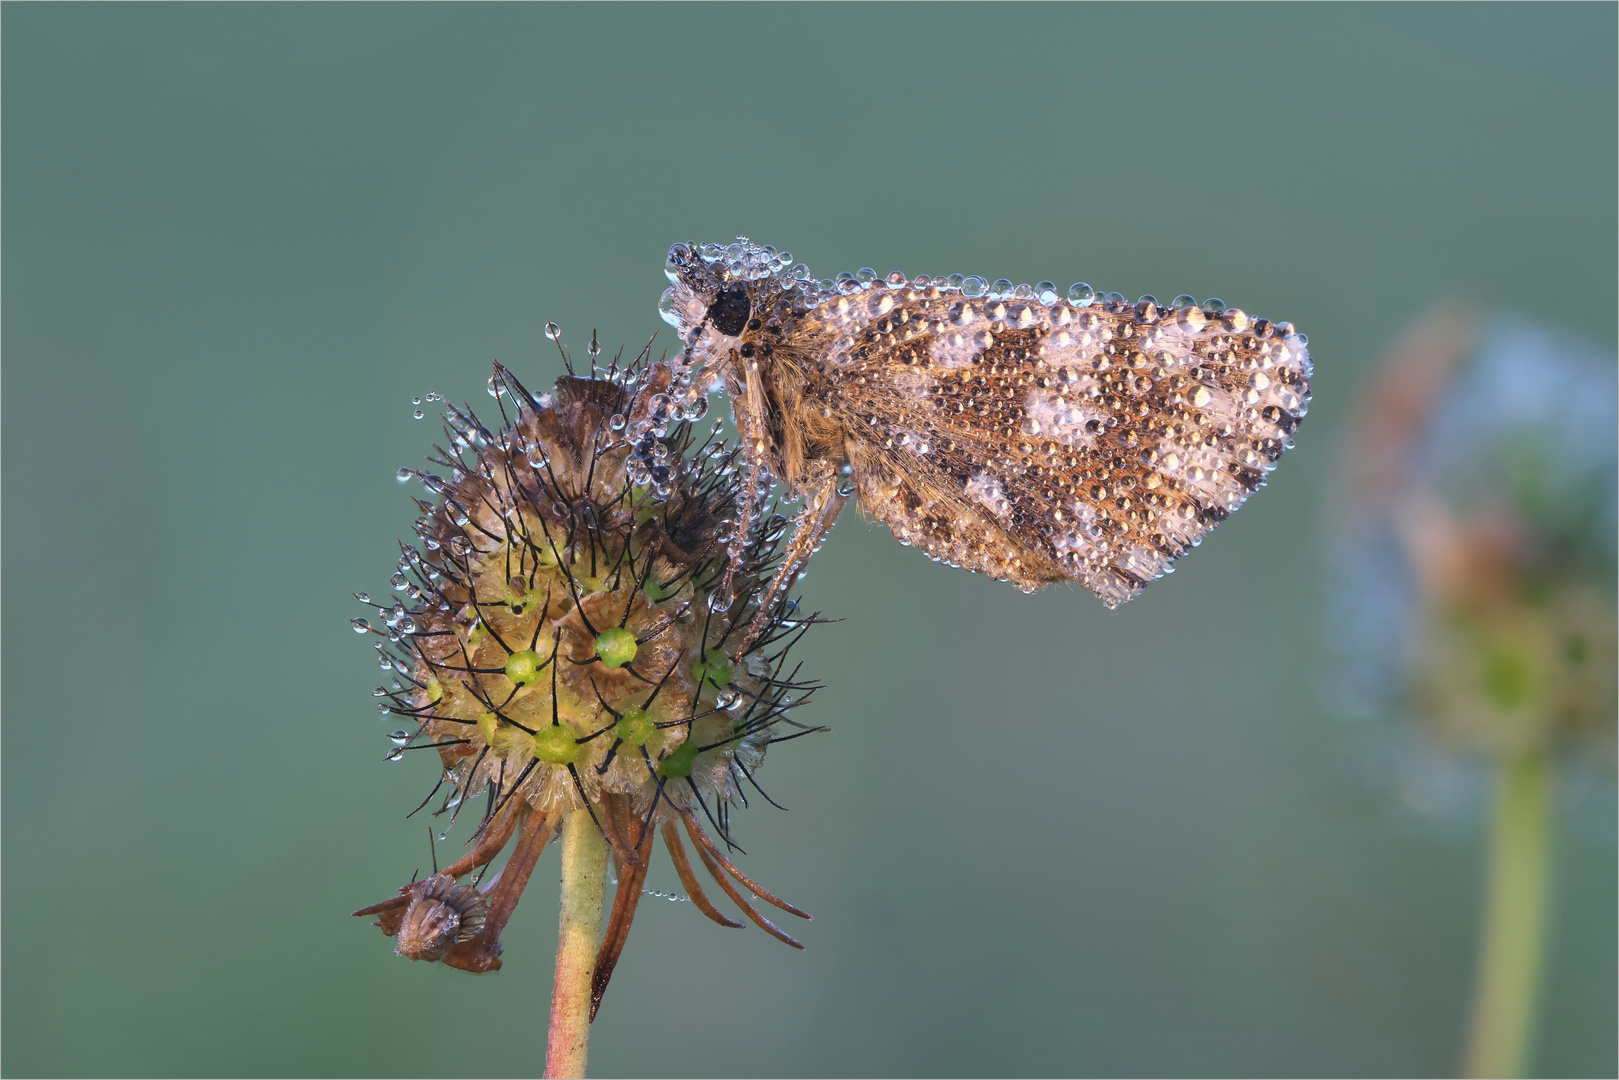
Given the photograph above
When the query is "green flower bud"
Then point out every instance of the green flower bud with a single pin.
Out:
(679, 763)
(556, 744)
(1507, 680)
(616, 646)
(635, 728)
(488, 723)
(523, 667)
(714, 669)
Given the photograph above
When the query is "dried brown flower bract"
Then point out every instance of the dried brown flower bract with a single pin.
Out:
(1032, 436)
(558, 643)
(441, 913)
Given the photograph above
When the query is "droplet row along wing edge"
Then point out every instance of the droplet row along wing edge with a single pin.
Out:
(1040, 442)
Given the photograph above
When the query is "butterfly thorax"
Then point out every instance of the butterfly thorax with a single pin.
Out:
(755, 335)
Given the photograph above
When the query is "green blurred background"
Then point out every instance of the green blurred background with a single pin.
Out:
(1043, 838)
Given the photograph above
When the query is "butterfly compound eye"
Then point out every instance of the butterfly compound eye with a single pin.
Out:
(729, 311)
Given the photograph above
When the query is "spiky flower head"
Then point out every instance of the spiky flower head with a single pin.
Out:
(558, 643)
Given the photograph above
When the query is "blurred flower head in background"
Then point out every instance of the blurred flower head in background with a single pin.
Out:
(1473, 558)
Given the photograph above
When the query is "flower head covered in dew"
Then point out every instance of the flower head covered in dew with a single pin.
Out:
(1476, 551)
(556, 644)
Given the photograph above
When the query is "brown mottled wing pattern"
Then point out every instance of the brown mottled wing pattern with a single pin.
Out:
(1041, 443)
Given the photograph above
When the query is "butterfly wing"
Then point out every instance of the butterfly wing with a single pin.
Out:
(1040, 443)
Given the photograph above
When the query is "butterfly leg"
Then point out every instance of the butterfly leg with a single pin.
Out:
(748, 410)
(822, 503)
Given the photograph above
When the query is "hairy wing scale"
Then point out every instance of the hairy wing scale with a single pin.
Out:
(1039, 443)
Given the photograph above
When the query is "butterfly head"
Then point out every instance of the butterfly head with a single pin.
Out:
(717, 290)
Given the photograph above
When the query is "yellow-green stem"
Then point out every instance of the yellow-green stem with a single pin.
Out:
(1514, 929)
(584, 881)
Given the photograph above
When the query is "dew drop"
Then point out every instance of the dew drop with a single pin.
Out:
(1046, 292)
(1081, 294)
(396, 754)
(1183, 301)
(553, 331)
(404, 475)
(974, 286)
(667, 309)
(418, 414)
(1001, 288)
(361, 626)
(678, 255)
